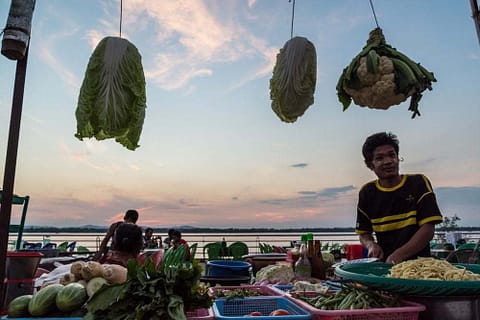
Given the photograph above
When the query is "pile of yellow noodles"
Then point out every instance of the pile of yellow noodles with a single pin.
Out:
(431, 269)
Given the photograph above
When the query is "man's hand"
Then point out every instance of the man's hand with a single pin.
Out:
(374, 250)
(395, 257)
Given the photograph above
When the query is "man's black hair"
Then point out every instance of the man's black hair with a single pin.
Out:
(170, 232)
(377, 140)
(148, 229)
(131, 215)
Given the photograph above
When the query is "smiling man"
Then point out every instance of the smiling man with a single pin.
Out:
(400, 209)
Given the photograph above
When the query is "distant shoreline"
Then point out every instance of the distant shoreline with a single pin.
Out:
(190, 229)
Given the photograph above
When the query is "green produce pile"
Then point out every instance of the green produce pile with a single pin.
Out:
(235, 293)
(147, 292)
(380, 77)
(350, 297)
(54, 300)
(153, 294)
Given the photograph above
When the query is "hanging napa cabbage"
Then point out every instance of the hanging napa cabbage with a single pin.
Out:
(294, 77)
(112, 99)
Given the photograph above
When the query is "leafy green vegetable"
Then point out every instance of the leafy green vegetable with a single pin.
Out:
(112, 99)
(235, 293)
(149, 293)
(294, 78)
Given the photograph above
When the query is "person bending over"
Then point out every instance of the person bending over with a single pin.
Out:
(131, 216)
(128, 242)
(401, 209)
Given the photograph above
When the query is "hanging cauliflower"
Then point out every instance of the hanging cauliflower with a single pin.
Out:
(112, 99)
(380, 77)
(294, 77)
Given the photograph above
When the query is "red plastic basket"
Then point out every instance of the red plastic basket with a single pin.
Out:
(408, 311)
(200, 314)
(260, 289)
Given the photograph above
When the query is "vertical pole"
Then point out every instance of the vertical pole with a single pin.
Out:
(15, 45)
(10, 165)
(476, 17)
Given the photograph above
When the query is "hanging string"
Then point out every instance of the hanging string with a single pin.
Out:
(293, 18)
(121, 14)
(374, 15)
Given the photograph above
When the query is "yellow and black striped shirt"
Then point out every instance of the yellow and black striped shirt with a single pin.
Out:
(395, 214)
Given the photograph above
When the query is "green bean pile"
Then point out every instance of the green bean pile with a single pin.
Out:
(350, 297)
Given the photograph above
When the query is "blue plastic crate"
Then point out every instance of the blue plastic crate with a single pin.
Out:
(239, 308)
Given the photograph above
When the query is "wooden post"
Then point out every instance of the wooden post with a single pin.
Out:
(18, 22)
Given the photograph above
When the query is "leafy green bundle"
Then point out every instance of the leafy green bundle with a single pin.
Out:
(294, 78)
(112, 99)
(151, 293)
(380, 77)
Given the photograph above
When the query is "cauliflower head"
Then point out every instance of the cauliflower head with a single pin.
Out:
(275, 273)
(378, 90)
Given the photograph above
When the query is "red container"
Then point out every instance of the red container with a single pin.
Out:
(22, 265)
(354, 251)
(200, 314)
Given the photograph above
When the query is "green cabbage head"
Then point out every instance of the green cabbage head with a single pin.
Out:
(294, 77)
(112, 99)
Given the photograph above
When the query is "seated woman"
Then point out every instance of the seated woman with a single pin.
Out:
(127, 243)
(177, 240)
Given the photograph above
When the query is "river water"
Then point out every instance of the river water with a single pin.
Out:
(252, 239)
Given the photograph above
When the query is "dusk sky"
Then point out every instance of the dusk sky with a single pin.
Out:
(212, 152)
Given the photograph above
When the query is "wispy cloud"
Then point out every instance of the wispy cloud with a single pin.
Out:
(46, 50)
(461, 201)
(299, 165)
(459, 195)
(334, 192)
(190, 37)
(311, 198)
(473, 56)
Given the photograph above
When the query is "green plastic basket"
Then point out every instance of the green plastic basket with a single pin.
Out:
(374, 275)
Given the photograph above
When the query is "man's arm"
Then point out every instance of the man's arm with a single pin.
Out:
(420, 240)
(103, 245)
(374, 250)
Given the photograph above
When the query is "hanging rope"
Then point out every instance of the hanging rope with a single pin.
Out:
(293, 18)
(374, 15)
(121, 14)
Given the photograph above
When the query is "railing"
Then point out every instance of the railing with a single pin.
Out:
(281, 239)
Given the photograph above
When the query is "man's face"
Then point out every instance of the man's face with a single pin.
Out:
(385, 162)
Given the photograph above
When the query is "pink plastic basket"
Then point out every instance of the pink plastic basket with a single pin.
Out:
(200, 314)
(260, 289)
(408, 311)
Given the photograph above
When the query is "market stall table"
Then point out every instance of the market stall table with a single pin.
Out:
(452, 300)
